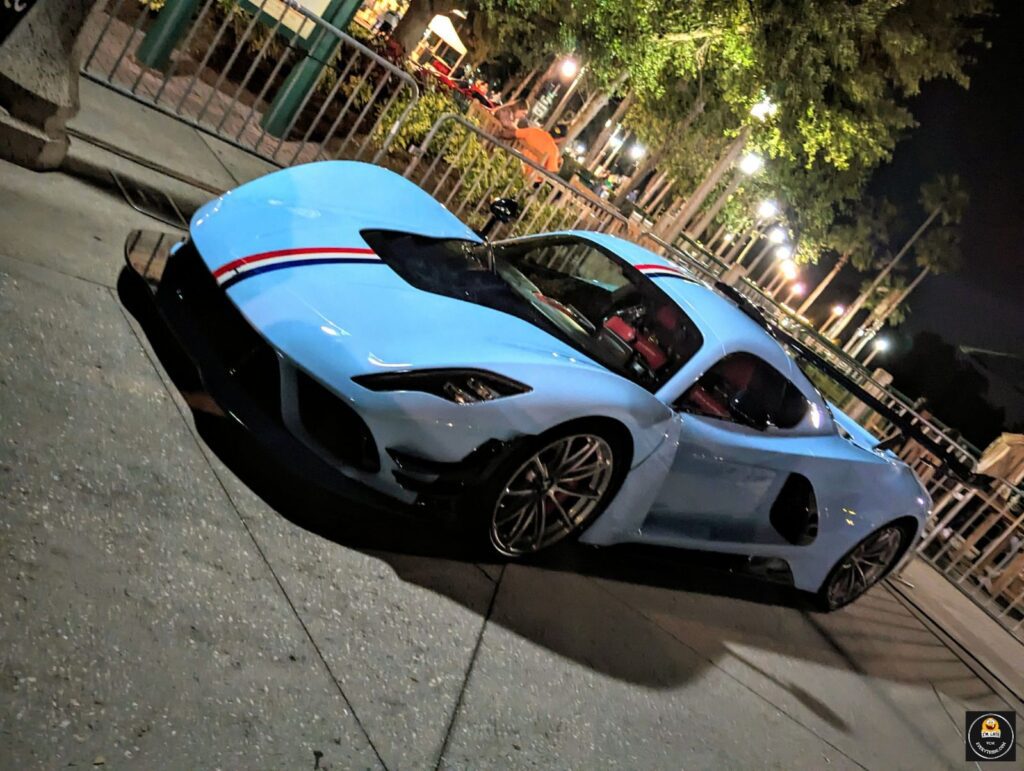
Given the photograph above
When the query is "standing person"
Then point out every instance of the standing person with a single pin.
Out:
(535, 143)
(510, 116)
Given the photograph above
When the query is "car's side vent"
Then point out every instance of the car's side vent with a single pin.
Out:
(795, 512)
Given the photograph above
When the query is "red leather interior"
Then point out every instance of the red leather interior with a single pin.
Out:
(737, 371)
(653, 355)
(707, 403)
(668, 317)
(620, 328)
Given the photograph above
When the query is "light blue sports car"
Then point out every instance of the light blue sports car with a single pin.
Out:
(565, 384)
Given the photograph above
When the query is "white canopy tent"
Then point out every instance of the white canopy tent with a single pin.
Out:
(442, 26)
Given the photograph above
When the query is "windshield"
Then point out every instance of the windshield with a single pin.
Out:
(566, 285)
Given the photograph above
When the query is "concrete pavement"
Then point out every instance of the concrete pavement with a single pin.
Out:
(171, 599)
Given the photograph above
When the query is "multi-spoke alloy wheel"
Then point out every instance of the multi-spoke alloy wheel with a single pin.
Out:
(552, 494)
(863, 566)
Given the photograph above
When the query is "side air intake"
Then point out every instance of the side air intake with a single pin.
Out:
(794, 514)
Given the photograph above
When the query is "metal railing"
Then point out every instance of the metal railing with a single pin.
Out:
(464, 167)
(270, 77)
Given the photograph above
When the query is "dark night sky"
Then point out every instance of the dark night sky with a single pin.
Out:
(978, 134)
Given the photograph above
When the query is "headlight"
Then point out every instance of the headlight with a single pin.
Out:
(462, 386)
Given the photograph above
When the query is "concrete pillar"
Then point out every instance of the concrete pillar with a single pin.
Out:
(39, 83)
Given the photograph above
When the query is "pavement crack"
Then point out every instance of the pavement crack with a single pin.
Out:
(254, 539)
(469, 670)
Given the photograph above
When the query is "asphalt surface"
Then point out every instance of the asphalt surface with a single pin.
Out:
(171, 598)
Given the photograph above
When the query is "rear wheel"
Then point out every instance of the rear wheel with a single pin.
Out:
(862, 567)
(551, 490)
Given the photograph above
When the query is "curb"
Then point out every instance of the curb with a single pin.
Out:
(991, 678)
(100, 163)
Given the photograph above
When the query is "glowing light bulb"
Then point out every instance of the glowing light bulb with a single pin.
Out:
(751, 163)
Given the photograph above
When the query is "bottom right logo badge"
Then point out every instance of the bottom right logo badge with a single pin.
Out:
(991, 735)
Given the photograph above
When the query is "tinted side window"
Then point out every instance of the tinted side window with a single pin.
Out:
(742, 379)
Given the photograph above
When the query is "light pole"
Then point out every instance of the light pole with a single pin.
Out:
(880, 345)
(778, 247)
(834, 313)
(787, 271)
(569, 70)
(796, 290)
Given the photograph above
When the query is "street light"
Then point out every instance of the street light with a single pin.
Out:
(783, 252)
(764, 109)
(569, 68)
(797, 290)
(767, 209)
(580, 148)
(879, 345)
(777, 235)
(636, 152)
(751, 163)
(838, 309)
(788, 269)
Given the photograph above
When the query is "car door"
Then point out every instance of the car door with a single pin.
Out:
(744, 429)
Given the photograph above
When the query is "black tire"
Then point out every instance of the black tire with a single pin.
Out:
(558, 514)
(848, 580)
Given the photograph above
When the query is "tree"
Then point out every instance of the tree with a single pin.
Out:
(856, 239)
(938, 251)
(413, 24)
(940, 198)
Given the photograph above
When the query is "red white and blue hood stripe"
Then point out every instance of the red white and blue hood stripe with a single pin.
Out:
(255, 264)
(232, 272)
(652, 270)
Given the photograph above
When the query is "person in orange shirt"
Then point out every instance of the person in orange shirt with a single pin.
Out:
(541, 147)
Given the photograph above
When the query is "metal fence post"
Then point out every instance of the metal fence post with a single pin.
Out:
(172, 22)
(304, 76)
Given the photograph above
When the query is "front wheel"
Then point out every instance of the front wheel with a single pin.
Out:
(551, 490)
(862, 567)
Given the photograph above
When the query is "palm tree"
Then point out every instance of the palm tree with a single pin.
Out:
(941, 198)
(855, 240)
(938, 251)
(881, 296)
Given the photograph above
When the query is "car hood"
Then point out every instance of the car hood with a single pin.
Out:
(358, 317)
(323, 204)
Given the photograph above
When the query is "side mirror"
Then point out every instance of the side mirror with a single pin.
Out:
(505, 209)
(502, 210)
(749, 409)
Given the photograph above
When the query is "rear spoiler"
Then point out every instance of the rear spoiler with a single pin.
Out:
(904, 424)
